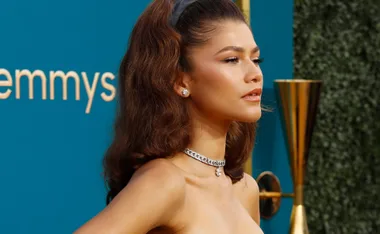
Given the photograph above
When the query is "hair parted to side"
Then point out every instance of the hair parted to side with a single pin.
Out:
(152, 120)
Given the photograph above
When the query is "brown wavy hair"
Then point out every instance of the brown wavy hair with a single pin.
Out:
(152, 120)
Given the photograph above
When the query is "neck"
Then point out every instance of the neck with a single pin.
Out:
(208, 138)
(208, 135)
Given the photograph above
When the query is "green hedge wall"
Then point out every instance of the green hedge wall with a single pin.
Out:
(338, 41)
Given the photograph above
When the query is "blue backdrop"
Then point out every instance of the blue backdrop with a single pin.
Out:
(58, 62)
(272, 24)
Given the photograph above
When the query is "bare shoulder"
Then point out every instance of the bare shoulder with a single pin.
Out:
(247, 190)
(154, 196)
(161, 178)
(160, 171)
(247, 186)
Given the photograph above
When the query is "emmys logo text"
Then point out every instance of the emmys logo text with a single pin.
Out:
(11, 84)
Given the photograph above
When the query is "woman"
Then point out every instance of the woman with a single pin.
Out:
(190, 88)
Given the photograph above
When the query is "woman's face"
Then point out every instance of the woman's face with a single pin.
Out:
(223, 71)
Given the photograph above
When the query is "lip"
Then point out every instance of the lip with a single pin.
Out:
(253, 96)
(255, 92)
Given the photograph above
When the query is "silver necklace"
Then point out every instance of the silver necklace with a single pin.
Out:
(215, 163)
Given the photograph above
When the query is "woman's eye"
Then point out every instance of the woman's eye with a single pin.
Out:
(236, 60)
(258, 60)
(232, 60)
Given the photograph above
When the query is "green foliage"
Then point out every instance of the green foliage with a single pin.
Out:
(339, 42)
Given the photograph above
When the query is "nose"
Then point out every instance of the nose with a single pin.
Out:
(254, 74)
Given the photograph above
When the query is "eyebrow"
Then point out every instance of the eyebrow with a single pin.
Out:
(237, 49)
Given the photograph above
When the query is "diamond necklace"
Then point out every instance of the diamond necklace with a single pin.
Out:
(215, 163)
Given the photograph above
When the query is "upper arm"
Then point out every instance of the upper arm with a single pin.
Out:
(152, 197)
(250, 197)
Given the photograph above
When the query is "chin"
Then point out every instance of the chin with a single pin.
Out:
(249, 117)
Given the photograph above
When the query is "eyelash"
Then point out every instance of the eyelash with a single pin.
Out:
(234, 60)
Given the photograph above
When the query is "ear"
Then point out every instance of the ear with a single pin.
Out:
(182, 86)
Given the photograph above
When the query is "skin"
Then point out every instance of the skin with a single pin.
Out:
(182, 195)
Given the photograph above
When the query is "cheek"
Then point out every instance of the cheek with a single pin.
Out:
(220, 78)
(216, 88)
(217, 93)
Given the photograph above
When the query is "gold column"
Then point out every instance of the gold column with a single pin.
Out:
(245, 7)
(298, 104)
